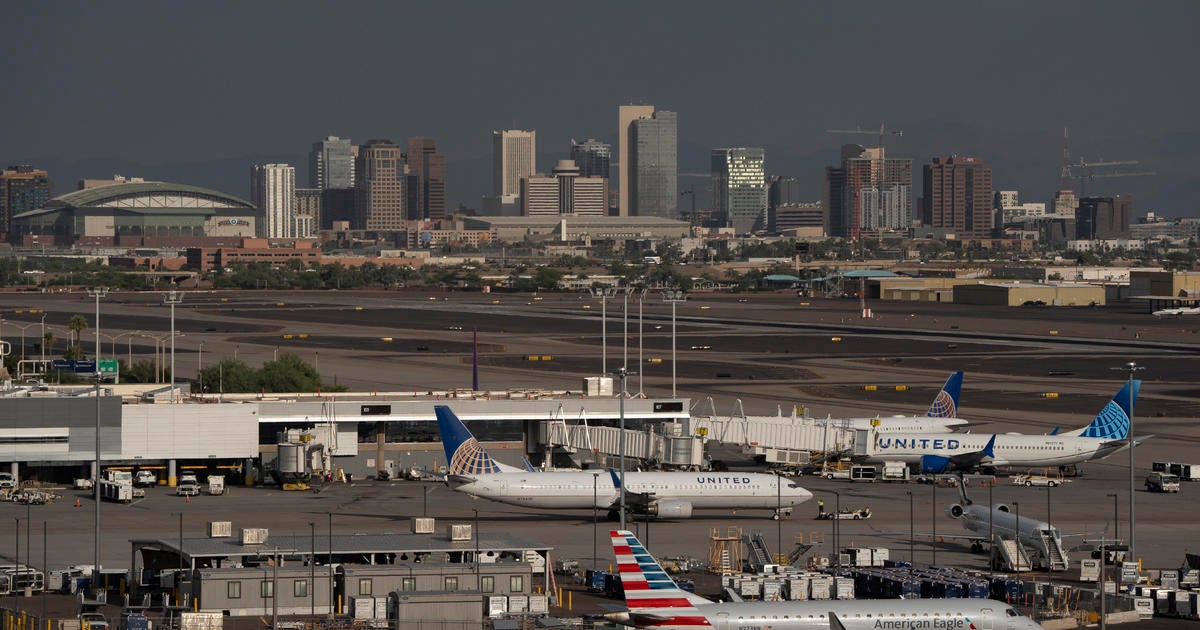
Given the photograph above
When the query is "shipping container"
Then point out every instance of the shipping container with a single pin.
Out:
(423, 525)
(220, 529)
(254, 535)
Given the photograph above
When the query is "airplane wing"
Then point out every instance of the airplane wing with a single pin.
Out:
(971, 461)
(636, 501)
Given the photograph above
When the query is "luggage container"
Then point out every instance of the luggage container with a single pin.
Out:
(220, 529)
(820, 588)
(422, 525)
(843, 588)
(539, 604)
(254, 535)
(363, 608)
(797, 588)
(497, 606)
(459, 532)
(518, 604)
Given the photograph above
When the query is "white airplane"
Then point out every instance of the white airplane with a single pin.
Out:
(934, 453)
(1017, 535)
(942, 416)
(653, 600)
(1169, 312)
(663, 494)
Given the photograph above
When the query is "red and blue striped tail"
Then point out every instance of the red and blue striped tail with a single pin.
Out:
(653, 598)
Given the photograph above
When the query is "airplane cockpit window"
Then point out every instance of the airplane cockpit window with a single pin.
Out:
(1013, 613)
(793, 485)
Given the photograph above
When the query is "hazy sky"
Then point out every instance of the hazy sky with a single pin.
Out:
(165, 82)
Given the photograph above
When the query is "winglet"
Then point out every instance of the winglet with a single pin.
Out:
(616, 479)
(987, 450)
(945, 404)
(834, 622)
(1113, 421)
(1055, 431)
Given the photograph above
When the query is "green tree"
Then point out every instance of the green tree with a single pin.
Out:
(77, 325)
(547, 277)
(230, 375)
(139, 372)
(289, 374)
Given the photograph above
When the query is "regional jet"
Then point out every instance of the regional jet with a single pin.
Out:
(653, 600)
(663, 494)
(939, 453)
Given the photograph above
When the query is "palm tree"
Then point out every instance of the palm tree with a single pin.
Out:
(48, 342)
(77, 325)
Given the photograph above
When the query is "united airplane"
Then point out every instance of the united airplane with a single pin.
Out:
(473, 471)
(653, 600)
(941, 417)
(938, 453)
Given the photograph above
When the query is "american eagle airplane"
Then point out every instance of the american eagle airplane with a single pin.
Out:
(939, 453)
(472, 470)
(654, 600)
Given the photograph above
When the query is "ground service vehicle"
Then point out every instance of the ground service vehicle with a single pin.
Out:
(1185, 472)
(145, 479)
(1162, 482)
(7, 481)
(216, 485)
(187, 489)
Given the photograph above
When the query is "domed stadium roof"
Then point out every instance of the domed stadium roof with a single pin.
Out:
(147, 194)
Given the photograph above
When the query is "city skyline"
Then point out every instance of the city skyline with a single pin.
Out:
(1043, 67)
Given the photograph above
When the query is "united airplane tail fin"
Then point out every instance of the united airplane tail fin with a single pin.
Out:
(1113, 421)
(464, 455)
(651, 595)
(945, 404)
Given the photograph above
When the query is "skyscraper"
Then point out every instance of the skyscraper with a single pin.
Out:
(868, 191)
(379, 189)
(426, 180)
(331, 164)
(565, 192)
(22, 188)
(593, 157)
(958, 196)
(626, 114)
(273, 192)
(1103, 218)
(653, 166)
(739, 181)
(308, 212)
(514, 157)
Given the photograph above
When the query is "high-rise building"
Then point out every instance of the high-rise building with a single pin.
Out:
(1103, 218)
(739, 181)
(337, 204)
(626, 114)
(782, 190)
(958, 196)
(1065, 203)
(273, 192)
(331, 164)
(426, 179)
(514, 157)
(653, 165)
(379, 189)
(308, 212)
(868, 192)
(22, 188)
(593, 157)
(565, 192)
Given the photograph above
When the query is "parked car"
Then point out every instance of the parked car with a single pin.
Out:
(187, 489)
(145, 479)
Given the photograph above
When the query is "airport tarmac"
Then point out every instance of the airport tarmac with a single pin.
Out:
(772, 352)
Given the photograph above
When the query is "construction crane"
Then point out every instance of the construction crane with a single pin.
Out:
(1083, 171)
(880, 133)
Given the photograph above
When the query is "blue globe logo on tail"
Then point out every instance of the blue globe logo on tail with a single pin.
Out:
(946, 403)
(1112, 422)
(464, 455)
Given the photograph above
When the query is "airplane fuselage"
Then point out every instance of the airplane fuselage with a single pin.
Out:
(1009, 450)
(1007, 525)
(911, 614)
(587, 489)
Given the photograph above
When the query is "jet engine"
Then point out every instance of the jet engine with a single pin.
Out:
(954, 511)
(670, 508)
(935, 464)
(1002, 507)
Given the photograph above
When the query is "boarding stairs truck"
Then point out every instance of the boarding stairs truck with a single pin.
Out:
(117, 485)
(1057, 559)
(760, 555)
(1012, 555)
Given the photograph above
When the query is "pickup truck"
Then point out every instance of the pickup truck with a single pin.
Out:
(187, 489)
(145, 479)
(1037, 480)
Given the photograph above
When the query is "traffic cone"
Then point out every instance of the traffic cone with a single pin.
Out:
(187, 499)
(77, 504)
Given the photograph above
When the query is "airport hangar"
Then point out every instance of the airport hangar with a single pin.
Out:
(52, 434)
(141, 214)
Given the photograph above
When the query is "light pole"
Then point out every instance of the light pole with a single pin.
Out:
(96, 293)
(991, 533)
(43, 340)
(622, 373)
(1017, 537)
(23, 327)
(1116, 523)
(933, 520)
(312, 569)
(475, 532)
(200, 363)
(641, 369)
(625, 334)
(837, 529)
(604, 293)
(912, 559)
(1132, 553)
(673, 296)
(172, 298)
(595, 497)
